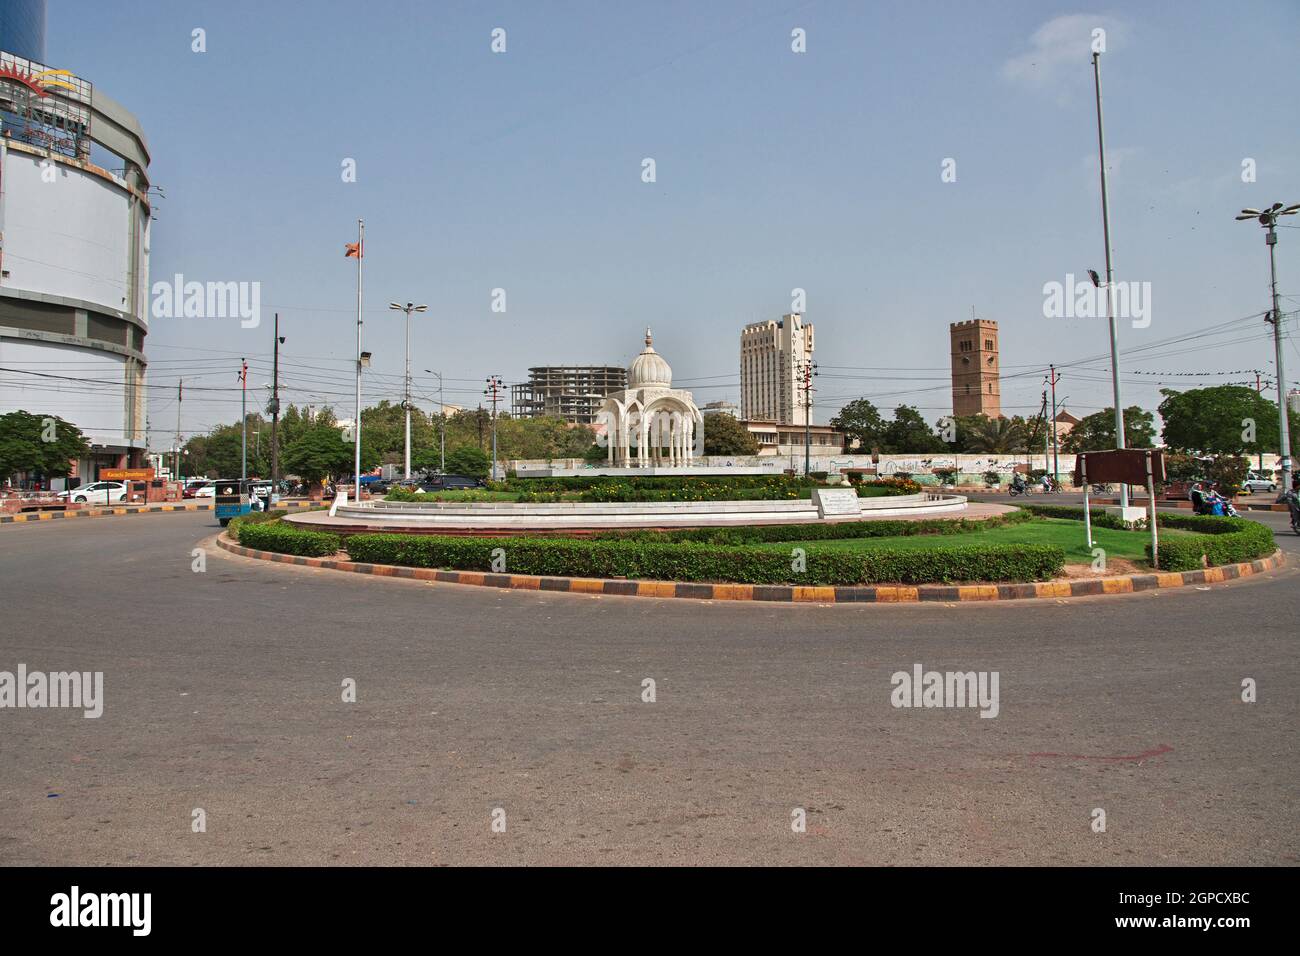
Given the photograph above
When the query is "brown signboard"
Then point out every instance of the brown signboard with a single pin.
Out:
(1125, 466)
(125, 474)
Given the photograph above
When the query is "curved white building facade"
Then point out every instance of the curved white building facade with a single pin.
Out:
(74, 259)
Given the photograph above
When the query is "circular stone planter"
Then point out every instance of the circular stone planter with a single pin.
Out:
(491, 517)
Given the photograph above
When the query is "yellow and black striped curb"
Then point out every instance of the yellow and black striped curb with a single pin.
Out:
(856, 594)
(129, 510)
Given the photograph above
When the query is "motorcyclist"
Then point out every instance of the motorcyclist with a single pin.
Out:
(1018, 482)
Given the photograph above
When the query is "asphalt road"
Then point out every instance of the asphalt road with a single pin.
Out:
(223, 693)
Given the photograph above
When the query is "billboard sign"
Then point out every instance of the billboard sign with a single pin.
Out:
(45, 107)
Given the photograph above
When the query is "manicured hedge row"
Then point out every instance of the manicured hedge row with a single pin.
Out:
(691, 561)
(286, 539)
(1217, 540)
(823, 532)
(254, 517)
(1220, 541)
(1100, 519)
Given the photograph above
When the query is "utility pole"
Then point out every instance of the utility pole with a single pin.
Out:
(180, 394)
(1110, 278)
(1046, 440)
(243, 416)
(406, 399)
(494, 392)
(442, 419)
(807, 370)
(1259, 387)
(1053, 378)
(275, 410)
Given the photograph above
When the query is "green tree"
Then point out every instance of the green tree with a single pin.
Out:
(724, 435)
(1221, 420)
(861, 424)
(981, 434)
(469, 461)
(909, 432)
(41, 443)
(1096, 432)
(323, 451)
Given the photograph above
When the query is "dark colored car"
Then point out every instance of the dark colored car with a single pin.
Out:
(452, 483)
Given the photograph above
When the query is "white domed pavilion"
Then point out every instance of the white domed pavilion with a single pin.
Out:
(651, 424)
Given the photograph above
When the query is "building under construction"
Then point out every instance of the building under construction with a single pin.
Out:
(569, 392)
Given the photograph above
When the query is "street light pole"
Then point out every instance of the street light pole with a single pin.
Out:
(1268, 219)
(1110, 277)
(1053, 378)
(406, 401)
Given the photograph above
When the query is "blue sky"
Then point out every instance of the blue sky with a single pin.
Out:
(775, 170)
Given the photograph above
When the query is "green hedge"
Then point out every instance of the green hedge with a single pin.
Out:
(654, 482)
(1216, 540)
(1100, 519)
(286, 539)
(693, 561)
(819, 532)
(253, 517)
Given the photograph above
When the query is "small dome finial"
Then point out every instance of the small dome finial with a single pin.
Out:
(647, 335)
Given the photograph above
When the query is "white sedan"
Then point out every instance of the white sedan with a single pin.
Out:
(100, 492)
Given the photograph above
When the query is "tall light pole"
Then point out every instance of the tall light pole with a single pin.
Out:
(1110, 277)
(442, 421)
(406, 401)
(1268, 219)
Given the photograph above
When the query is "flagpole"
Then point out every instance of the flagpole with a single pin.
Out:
(361, 252)
(243, 414)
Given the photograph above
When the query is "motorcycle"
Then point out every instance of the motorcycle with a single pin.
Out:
(1292, 501)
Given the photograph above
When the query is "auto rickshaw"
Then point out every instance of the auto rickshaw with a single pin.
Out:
(232, 499)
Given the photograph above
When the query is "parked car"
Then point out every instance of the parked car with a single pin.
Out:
(207, 489)
(1257, 481)
(99, 492)
(193, 486)
(452, 483)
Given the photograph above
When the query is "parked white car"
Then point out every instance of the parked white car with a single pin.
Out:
(97, 493)
(208, 489)
(1257, 482)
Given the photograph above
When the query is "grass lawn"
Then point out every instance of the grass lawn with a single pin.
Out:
(1065, 534)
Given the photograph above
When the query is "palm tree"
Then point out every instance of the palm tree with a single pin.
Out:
(995, 435)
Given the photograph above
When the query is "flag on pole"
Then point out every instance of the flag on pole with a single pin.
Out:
(352, 249)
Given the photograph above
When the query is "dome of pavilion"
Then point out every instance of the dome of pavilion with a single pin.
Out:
(649, 370)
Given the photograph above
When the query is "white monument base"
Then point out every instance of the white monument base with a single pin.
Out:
(1130, 516)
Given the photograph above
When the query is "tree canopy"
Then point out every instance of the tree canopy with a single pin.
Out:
(1096, 432)
(724, 435)
(40, 443)
(1221, 420)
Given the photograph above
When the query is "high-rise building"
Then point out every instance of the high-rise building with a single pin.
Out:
(975, 386)
(22, 28)
(772, 356)
(570, 392)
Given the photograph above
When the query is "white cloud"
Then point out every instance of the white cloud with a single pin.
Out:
(1060, 47)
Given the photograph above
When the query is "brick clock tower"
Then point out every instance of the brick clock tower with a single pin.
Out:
(975, 387)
